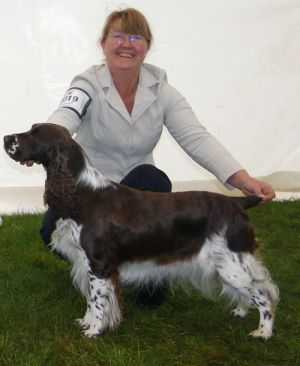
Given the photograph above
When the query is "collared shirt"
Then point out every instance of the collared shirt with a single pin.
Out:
(117, 141)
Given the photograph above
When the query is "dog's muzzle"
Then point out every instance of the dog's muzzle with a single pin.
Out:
(11, 144)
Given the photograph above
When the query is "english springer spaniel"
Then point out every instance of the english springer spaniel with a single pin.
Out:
(116, 235)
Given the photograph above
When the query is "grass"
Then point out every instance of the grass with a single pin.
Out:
(38, 306)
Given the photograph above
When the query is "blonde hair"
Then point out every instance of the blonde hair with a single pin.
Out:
(132, 21)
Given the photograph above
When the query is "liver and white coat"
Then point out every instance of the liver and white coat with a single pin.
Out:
(113, 234)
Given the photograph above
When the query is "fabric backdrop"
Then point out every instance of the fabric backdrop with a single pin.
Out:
(236, 62)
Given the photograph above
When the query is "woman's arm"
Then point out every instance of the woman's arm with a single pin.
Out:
(205, 149)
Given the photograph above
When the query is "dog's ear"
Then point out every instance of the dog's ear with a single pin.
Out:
(61, 180)
(75, 158)
(55, 158)
(65, 158)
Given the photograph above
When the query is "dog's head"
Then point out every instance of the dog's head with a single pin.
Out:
(36, 144)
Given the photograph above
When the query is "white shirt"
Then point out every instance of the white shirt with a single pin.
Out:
(117, 141)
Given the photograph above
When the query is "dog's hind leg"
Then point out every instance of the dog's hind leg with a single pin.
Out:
(247, 282)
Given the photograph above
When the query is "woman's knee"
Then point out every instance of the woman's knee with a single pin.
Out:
(148, 178)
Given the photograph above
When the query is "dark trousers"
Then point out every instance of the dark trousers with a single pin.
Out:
(144, 177)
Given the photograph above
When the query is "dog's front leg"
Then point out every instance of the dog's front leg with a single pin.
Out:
(103, 310)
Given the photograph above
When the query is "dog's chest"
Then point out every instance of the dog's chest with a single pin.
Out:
(62, 198)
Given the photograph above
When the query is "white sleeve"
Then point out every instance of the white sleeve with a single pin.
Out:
(74, 105)
(194, 139)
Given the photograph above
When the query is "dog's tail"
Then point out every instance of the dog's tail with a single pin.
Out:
(248, 201)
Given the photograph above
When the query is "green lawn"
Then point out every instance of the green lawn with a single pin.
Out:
(38, 306)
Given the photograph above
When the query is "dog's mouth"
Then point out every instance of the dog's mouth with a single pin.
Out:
(15, 155)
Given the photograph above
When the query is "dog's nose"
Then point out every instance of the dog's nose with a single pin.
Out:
(8, 139)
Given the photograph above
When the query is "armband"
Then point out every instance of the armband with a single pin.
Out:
(77, 100)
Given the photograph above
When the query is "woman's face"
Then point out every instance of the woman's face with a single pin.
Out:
(124, 51)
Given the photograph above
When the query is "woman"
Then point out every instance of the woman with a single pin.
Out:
(118, 110)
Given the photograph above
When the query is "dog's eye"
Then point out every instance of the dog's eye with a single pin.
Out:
(35, 125)
(34, 128)
(33, 131)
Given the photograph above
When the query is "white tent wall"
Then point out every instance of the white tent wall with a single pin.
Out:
(236, 62)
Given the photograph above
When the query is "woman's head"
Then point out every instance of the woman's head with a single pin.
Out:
(125, 40)
(130, 21)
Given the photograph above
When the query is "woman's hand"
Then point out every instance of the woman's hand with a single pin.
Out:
(251, 186)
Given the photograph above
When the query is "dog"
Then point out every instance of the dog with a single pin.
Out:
(115, 235)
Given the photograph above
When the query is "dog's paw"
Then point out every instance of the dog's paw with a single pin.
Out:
(91, 327)
(82, 323)
(261, 333)
(94, 330)
(239, 312)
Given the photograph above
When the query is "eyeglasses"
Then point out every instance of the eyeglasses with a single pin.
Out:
(121, 37)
